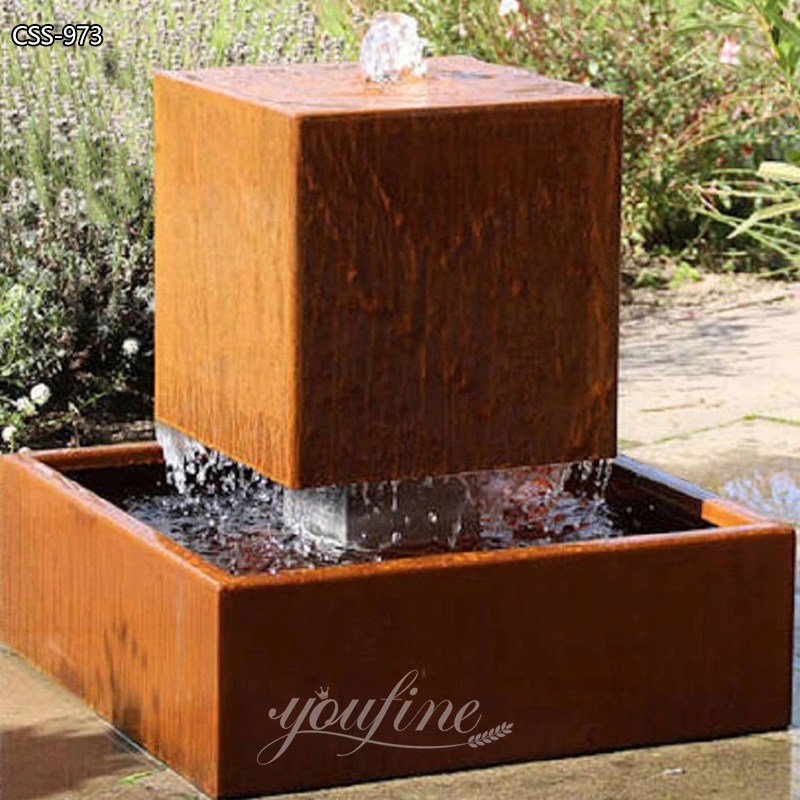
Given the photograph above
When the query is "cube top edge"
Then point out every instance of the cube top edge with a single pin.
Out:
(451, 83)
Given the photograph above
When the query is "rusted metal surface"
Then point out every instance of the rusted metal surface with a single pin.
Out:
(360, 284)
(101, 456)
(451, 84)
(582, 647)
(112, 610)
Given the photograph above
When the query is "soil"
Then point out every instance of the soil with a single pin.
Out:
(713, 292)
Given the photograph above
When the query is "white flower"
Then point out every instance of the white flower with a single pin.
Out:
(25, 406)
(729, 52)
(40, 394)
(9, 432)
(130, 347)
(508, 7)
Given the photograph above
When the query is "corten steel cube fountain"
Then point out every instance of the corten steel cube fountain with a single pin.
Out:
(357, 283)
(360, 284)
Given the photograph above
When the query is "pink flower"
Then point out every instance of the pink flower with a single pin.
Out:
(729, 52)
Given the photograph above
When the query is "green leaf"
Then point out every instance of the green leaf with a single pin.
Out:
(334, 17)
(730, 5)
(133, 778)
(793, 156)
(778, 210)
(779, 171)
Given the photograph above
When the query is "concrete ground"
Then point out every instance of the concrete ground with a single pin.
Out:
(710, 390)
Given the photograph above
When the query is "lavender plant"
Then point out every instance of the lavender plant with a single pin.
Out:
(76, 293)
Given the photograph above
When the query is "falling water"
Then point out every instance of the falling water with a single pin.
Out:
(243, 522)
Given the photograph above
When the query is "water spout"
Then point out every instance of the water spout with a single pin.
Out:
(392, 49)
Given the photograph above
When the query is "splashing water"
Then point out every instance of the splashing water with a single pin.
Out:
(243, 522)
(392, 49)
(199, 471)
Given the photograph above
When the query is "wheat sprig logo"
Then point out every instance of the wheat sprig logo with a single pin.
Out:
(492, 735)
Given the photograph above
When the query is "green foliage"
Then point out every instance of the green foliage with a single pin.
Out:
(76, 220)
(772, 195)
(76, 298)
(648, 279)
(684, 273)
(685, 114)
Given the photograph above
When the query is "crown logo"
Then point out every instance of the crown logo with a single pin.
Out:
(322, 693)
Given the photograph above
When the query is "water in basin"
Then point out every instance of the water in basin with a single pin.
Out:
(243, 523)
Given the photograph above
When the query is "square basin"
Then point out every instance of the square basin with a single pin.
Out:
(262, 683)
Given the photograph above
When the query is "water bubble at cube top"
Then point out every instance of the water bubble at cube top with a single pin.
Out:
(392, 49)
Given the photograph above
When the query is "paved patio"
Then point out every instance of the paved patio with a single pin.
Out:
(709, 392)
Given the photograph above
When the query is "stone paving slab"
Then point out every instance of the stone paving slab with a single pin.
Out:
(756, 462)
(684, 371)
(54, 746)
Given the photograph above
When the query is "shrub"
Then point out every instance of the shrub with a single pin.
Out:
(75, 181)
(76, 300)
(686, 113)
(772, 194)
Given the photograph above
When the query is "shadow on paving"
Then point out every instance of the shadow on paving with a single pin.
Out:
(47, 762)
